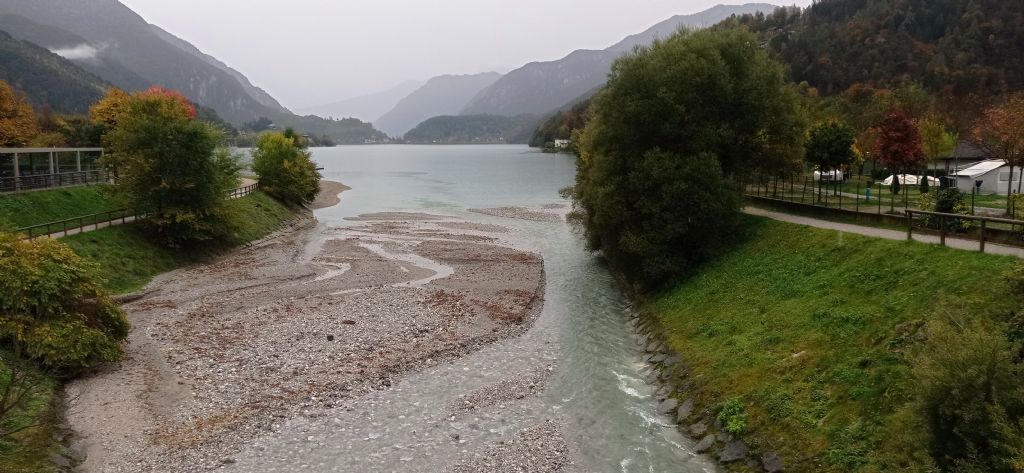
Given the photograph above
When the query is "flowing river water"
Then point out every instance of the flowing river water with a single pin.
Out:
(597, 387)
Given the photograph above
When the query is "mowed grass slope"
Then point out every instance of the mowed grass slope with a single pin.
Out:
(128, 259)
(39, 207)
(813, 330)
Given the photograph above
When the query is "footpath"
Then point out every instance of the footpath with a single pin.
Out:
(952, 242)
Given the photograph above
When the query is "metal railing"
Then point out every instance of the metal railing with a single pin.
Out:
(103, 219)
(47, 181)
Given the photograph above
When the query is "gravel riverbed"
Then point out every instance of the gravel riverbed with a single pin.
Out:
(301, 351)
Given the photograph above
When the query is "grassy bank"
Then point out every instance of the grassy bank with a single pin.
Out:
(128, 260)
(30, 450)
(810, 330)
(38, 207)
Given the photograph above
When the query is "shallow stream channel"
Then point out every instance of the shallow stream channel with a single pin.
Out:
(578, 368)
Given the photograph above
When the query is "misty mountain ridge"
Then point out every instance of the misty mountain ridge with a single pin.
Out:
(368, 107)
(539, 88)
(111, 41)
(442, 95)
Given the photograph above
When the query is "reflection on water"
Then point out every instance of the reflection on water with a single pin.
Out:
(598, 388)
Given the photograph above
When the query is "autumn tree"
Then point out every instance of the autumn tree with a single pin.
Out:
(899, 145)
(936, 141)
(1000, 132)
(17, 120)
(285, 168)
(169, 166)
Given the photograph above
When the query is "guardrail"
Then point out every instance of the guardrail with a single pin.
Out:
(80, 224)
(945, 218)
(47, 181)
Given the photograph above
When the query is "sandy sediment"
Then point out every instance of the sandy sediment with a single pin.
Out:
(330, 194)
(223, 353)
(545, 214)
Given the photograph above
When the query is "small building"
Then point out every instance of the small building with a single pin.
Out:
(562, 144)
(965, 155)
(993, 174)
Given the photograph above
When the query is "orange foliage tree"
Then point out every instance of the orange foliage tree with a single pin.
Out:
(170, 103)
(17, 120)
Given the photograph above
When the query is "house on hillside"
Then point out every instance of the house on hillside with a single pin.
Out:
(562, 144)
(993, 174)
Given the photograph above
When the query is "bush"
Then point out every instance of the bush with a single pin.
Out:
(971, 395)
(675, 125)
(53, 308)
(733, 416)
(286, 170)
(949, 200)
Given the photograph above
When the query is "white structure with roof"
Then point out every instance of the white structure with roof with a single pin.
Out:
(994, 175)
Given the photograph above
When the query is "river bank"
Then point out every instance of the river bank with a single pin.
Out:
(308, 321)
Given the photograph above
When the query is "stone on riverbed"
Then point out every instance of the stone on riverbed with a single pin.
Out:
(734, 451)
(772, 463)
(704, 445)
(684, 411)
(668, 406)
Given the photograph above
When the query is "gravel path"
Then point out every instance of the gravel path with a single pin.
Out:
(307, 346)
(952, 242)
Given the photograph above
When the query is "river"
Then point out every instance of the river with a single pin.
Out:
(597, 389)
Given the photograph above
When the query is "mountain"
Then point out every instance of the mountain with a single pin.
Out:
(119, 46)
(46, 78)
(368, 107)
(473, 129)
(541, 87)
(257, 93)
(443, 95)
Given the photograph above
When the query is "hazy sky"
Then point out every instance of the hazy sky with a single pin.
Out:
(309, 52)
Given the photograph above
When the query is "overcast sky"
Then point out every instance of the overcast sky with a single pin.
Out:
(310, 52)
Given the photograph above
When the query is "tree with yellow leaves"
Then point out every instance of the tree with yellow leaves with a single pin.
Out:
(17, 120)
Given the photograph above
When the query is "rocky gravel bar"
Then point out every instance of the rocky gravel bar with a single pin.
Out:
(300, 346)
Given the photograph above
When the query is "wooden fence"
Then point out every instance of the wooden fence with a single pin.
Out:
(103, 219)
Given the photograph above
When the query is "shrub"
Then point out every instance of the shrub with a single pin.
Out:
(949, 200)
(53, 308)
(733, 416)
(971, 395)
(286, 170)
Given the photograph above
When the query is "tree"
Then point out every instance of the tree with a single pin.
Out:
(54, 308)
(168, 166)
(936, 140)
(830, 146)
(899, 145)
(677, 125)
(285, 169)
(17, 120)
(1000, 132)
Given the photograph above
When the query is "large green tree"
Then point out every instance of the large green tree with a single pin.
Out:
(830, 147)
(674, 129)
(168, 166)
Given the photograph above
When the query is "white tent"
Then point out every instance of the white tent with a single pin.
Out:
(909, 180)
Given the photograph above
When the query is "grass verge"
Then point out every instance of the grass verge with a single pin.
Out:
(808, 330)
(128, 260)
(39, 207)
(30, 450)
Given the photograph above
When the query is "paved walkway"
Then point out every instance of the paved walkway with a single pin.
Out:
(958, 243)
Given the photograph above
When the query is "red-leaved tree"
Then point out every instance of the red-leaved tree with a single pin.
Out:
(899, 145)
(1000, 132)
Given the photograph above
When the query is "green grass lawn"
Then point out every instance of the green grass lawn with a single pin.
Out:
(128, 259)
(38, 207)
(809, 328)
